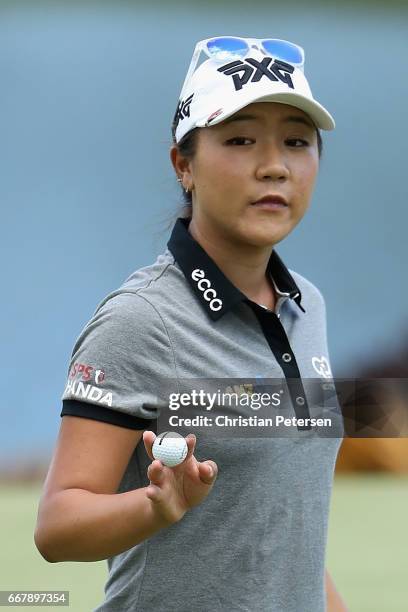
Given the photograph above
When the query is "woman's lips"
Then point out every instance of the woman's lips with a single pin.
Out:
(271, 203)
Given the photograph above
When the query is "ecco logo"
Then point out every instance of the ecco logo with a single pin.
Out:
(183, 110)
(253, 70)
(204, 285)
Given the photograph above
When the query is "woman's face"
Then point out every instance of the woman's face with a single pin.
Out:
(264, 149)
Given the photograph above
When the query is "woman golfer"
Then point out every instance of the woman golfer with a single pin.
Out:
(241, 524)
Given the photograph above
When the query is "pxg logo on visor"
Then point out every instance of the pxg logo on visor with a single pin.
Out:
(254, 71)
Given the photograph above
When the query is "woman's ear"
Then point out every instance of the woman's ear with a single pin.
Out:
(181, 165)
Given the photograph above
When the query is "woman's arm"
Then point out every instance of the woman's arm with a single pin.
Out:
(81, 517)
(78, 525)
(334, 602)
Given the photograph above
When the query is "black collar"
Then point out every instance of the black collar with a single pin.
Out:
(216, 293)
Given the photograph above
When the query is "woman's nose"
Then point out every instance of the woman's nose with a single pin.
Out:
(272, 165)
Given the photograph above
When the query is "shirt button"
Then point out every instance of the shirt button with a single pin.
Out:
(300, 400)
(287, 357)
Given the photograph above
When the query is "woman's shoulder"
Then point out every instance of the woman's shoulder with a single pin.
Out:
(131, 312)
(139, 292)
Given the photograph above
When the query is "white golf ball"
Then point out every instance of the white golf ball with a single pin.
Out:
(170, 447)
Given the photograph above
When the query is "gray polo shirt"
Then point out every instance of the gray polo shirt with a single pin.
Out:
(258, 541)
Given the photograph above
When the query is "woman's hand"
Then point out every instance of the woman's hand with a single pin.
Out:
(175, 490)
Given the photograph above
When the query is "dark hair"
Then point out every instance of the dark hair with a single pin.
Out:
(187, 148)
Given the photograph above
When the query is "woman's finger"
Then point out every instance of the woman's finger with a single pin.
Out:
(155, 472)
(148, 439)
(208, 471)
(191, 442)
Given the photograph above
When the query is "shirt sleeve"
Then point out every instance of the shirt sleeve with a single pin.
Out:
(117, 363)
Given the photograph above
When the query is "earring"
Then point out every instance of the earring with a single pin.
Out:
(180, 180)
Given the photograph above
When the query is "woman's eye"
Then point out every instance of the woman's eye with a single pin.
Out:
(239, 140)
(292, 142)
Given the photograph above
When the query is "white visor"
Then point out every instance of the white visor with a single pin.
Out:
(217, 90)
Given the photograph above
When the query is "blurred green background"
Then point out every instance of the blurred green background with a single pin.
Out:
(367, 546)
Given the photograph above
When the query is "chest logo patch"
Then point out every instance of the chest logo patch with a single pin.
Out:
(322, 367)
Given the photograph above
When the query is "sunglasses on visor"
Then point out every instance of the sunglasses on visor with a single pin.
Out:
(230, 48)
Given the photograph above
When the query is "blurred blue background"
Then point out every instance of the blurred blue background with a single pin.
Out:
(87, 191)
